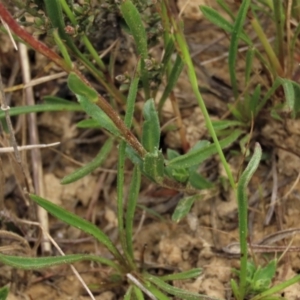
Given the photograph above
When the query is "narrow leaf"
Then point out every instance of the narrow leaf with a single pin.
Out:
(4, 291)
(177, 292)
(19, 110)
(91, 166)
(235, 36)
(154, 165)
(88, 123)
(78, 87)
(134, 22)
(198, 156)
(33, 263)
(217, 19)
(183, 208)
(77, 222)
(193, 273)
(243, 215)
(151, 128)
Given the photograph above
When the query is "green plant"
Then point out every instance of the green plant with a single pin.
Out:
(277, 69)
(140, 142)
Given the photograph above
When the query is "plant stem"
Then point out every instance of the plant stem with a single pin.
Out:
(183, 49)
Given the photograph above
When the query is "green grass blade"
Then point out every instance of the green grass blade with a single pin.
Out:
(19, 110)
(79, 223)
(151, 127)
(243, 215)
(193, 273)
(131, 206)
(63, 50)
(198, 156)
(91, 166)
(172, 80)
(233, 49)
(183, 49)
(33, 263)
(216, 18)
(4, 291)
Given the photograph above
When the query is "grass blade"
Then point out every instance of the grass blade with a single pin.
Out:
(243, 215)
(33, 263)
(91, 166)
(79, 223)
(172, 80)
(233, 49)
(217, 19)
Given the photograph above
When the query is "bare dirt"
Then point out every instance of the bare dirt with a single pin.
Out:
(206, 238)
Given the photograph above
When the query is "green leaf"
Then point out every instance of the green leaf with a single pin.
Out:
(91, 166)
(181, 175)
(151, 128)
(199, 182)
(154, 165)
(62, 48)
(193, 273)
(177, 292)
(171, 154)
(138, 293)
(196, 157)
(33, 263)
(249, 64)
(214, 17)
(4, 291)
(137, 28)
(88, 123)
(254, 100)
(233, 49)
(225, 124)
(172, 81)
(77, 222)
(98, 115)
(79, 88)
(263, 277)
(183, 207)
(57, 100)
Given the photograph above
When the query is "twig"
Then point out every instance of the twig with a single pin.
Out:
(34, 139)
(27, 147)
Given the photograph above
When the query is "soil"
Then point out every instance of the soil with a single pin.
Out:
(207, 238)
